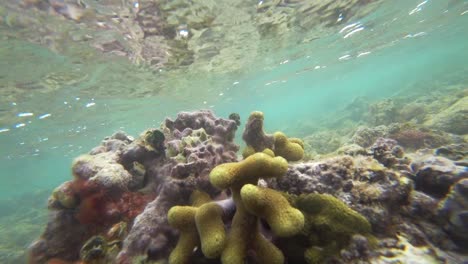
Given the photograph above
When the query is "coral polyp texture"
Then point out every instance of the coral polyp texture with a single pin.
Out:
(292, 149)
(181, 194)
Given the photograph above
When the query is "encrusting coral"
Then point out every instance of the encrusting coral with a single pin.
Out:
(330, 224)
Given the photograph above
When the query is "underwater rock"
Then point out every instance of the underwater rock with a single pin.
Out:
(416, 137)
(196, 151)
(362, 182)
(118, 141)
(365, 136)
(421, 206)
(454, 210)
(222, 130)
(63, 238)
(351, 150)
(435, 175)
(452, 119)
(151, 234)
(322, 142)
(412, 112)
(113, 176)
(400, 250)
(387, 151)
(326, 176)
(453, 151)
(103, 170)
(383, 112)
(63, 196)
(357, 249)
(103, 165)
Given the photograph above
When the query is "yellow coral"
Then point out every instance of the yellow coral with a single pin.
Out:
(256, 115)
(199, 198)
(183, 219)
(242, 231)
(248, 151)
(210, 226)
(297, 141)
(289, 149)
(329, 224)
(270, 205)
(331, 212)
(248, 171)
(269, 152)
(266, 251)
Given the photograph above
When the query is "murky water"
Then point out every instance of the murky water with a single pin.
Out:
(62, 93)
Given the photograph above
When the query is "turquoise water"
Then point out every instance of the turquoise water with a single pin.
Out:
(302, 82)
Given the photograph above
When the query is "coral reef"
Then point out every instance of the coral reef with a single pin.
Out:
(244, 233)
(180, 194)
(251, 203)
(118, 181)
(322, 142)
(452, 119)
(382, 112)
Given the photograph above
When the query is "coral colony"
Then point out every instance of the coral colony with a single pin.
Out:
(181, 194)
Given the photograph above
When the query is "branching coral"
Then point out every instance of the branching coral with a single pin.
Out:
(292, 149)
(181, 188)
(252, 203)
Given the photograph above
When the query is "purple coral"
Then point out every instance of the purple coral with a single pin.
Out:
(196, 142)
(120, 166)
